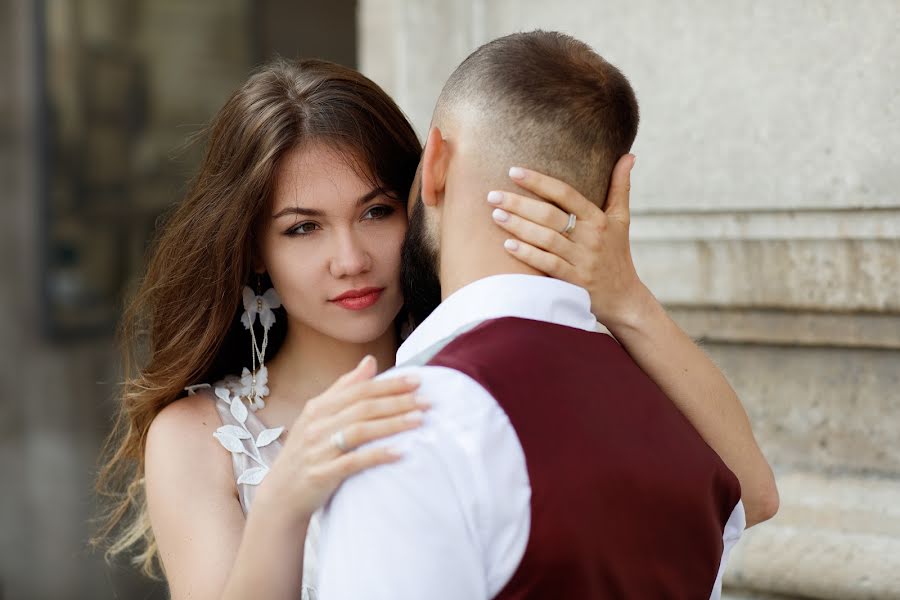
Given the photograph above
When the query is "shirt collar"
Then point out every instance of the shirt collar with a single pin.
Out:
(524, 296)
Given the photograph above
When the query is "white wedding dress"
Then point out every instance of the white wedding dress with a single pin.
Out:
(253, 449)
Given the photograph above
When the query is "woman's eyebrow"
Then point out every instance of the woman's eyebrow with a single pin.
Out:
(373, 193)
(296, 210)
(312, 212)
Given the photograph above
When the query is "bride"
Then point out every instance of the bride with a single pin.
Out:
(272, 298)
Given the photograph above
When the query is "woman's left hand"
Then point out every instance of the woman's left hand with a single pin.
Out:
(595, 255)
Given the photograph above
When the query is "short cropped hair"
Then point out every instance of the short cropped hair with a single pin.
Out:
(547, 102)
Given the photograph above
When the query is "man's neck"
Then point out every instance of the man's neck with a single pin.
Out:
(472, 245)
(470, 264)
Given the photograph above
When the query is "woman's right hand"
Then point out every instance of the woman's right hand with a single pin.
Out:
(310, 466)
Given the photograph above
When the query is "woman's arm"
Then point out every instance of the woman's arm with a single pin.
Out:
(693, 382)
(207, 548)
(194, 512)
(597, 256)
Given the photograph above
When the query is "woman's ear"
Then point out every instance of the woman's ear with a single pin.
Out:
(434, 167)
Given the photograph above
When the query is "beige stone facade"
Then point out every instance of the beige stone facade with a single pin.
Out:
(766, 202)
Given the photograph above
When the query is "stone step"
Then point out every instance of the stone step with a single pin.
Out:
(823, 275)
(735, 594)
(834, 537)
(819, 409)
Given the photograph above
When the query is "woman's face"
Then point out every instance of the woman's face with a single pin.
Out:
(331, 245)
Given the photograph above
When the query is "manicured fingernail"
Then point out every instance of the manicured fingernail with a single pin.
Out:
(501, 216)
(511, 245)
(412, 379)
(394, 452)
(495, 197)
(367, 359)
(423, 404)
(517, 173)
(414, 416)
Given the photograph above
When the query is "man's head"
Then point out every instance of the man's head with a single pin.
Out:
(540, 100)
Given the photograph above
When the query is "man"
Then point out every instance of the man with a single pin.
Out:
(550, 465)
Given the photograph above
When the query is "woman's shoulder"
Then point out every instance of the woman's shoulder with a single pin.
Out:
(180, 445)
(189, 415)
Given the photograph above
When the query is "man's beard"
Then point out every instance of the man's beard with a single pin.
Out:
(418, 267)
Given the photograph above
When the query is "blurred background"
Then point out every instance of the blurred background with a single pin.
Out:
(766, 216)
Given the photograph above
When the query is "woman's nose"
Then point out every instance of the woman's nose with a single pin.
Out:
(350, 257)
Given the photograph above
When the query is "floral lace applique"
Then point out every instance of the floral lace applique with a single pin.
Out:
(233, 437)
(232, 390)
(243, 387)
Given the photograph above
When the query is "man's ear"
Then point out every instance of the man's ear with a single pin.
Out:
(434, 167)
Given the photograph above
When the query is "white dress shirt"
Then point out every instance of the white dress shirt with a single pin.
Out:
(433, 525)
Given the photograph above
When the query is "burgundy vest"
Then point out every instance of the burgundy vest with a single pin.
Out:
(627, 500)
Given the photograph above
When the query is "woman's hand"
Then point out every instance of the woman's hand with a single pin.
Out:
(595, 255)
(310, 466)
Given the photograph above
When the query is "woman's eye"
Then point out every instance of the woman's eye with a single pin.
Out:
(303, 228)
(378, 212)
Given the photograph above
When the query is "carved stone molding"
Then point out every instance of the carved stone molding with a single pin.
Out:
(834, 537)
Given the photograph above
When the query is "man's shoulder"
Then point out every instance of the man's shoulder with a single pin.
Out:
(430, 375)
(449, 444)
(458, 403)
(422, 512)
(495, 340)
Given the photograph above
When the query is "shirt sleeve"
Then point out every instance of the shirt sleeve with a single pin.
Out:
(414, 529)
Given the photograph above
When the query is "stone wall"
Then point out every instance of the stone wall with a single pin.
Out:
(766, 202)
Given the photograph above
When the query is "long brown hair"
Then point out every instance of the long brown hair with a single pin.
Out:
(181, 327)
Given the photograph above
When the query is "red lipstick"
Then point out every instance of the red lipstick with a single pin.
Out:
(358, 299)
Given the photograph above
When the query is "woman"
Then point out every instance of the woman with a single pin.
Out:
(303, 190)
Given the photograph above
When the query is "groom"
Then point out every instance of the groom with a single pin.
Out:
(550, 465)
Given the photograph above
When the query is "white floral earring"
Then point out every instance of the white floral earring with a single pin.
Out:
(254, 381)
